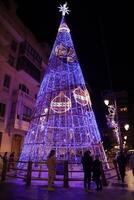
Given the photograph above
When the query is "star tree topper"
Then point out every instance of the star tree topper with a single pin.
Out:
(64, 9)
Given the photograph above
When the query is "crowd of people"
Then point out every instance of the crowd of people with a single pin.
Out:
(92, 168)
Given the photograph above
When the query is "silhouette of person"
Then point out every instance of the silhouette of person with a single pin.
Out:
(97, 168)
(87, 163)
(4, 157)
(11, 160)
(121, 161)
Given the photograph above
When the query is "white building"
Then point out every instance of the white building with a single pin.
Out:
(22, 65)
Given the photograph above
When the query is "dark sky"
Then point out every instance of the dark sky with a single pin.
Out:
(100, 34)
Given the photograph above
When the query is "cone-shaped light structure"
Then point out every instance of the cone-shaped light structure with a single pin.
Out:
(63, 118)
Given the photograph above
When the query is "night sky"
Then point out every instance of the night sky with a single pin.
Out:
(100, 34)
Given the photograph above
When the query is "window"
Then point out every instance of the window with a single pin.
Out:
(29, 68)
(11, 60)
(14, 45)
(0, 138)
(7, 80)
(23, 88)
(27, 113)
(2, 109)
(26, 48)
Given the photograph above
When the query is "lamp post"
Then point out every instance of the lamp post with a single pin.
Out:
(113, 121)
(126, 127)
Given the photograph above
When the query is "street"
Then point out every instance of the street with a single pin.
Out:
(16, 190)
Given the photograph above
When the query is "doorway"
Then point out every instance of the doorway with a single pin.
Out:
(16, 144)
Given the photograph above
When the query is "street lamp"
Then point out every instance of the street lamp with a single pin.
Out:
(113, 122)
(126, 127)
(106, 101)
(125, 137)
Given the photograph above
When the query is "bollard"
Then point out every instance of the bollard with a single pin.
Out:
(4, 169)
(66, 185)
(29, 173)
(104, 181)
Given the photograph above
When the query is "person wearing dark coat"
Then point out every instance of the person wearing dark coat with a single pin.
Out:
(97, 169)
(11, 161)
(4, 157)
(87, 162)
(121, 161)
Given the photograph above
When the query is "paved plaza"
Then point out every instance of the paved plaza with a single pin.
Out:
(16, 190)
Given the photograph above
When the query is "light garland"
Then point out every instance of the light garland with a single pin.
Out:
(111, 121)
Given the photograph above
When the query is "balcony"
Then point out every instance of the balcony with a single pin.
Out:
(21, 101)
(21, 125)
(4, 53)
(5, 36)
(27, 98)
(25, 66)
(28, 51)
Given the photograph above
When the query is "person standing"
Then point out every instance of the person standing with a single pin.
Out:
(51, 165)
(87, 163)
(4, 157)
(131, 163)
(116, 167)
(97, 169)
(121, 161)
(11, 160)
(5, 166)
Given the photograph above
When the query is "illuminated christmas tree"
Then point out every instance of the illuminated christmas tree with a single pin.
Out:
(63, 117)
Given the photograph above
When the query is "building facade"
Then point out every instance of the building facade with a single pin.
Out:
(131, 119)
(22, 65)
